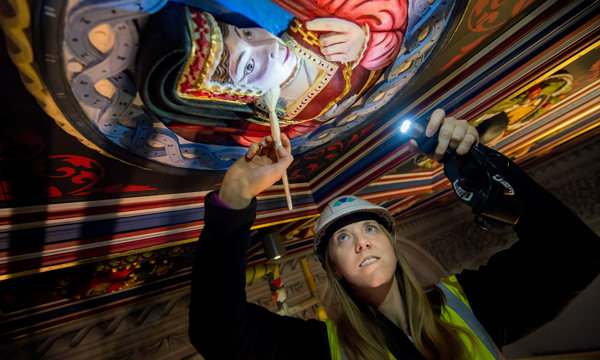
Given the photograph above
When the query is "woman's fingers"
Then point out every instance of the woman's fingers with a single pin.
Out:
(435, 121)
(252, 150)
(266, 140)
(266, 147)
(458, 134)
(284, 153)
(285, 157)
(470, 138)
(444, 137)
(455, 134)
(414, 147)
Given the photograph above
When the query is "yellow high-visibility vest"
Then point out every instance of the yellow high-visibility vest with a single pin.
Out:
(456, 311)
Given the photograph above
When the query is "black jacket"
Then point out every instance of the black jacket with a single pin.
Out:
(517, 291)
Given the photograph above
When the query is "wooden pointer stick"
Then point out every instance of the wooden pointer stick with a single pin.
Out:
(271, 100)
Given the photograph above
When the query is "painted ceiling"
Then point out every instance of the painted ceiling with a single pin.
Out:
(102, 185)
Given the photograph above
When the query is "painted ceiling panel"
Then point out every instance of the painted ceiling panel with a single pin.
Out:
(101, 196)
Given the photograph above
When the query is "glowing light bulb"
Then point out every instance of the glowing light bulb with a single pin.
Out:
(405, 126)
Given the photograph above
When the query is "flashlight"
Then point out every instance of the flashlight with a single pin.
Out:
(477, 178)
(416, 131)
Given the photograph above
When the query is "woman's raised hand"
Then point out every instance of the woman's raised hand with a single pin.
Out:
(255, 172)
(455, 134)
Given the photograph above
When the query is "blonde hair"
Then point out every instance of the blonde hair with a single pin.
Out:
(360, 336)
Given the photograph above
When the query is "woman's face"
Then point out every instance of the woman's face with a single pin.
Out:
(363, 255)
(258, 58)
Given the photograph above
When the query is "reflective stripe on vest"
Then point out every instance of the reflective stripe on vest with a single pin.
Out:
(456, 311)
(334, 347)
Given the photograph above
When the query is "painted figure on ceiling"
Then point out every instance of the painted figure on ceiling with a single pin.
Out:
(330, 54)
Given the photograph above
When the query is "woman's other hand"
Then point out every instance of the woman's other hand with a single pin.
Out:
(255, 172)
(457, 135)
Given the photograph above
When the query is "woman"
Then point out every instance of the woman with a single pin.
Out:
(385, 313)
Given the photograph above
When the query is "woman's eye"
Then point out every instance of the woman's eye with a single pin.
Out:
(342, 238)
(249, 67)
(247, 34)
(371, 228)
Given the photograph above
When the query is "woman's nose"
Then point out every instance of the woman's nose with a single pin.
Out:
(362, 243)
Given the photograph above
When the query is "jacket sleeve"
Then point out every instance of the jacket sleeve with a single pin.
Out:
(556, 257)
(222, 324)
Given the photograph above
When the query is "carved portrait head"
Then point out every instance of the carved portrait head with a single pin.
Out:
(230, 63)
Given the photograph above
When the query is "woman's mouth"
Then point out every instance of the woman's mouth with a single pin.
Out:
(369, 260)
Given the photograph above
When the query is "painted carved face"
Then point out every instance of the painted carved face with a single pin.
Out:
(363, 255)
(258, 58)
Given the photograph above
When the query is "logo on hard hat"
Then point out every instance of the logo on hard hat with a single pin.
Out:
(343, 200)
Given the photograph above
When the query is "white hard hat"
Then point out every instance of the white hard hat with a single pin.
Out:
(343, 211)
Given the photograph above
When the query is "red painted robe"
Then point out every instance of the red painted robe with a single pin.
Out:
(386, 20)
